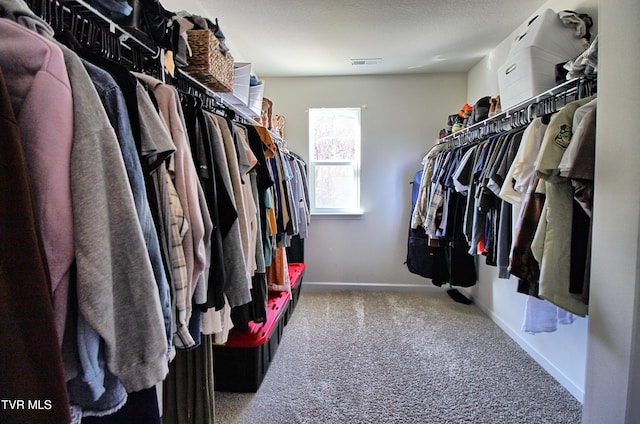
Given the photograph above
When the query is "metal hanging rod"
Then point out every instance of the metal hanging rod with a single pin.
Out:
(83, 19)
(524, 112)
(92, 30)
(210, 99)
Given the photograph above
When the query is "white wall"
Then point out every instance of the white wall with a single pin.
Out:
(401, 118)
(612, 387)
(562, 353)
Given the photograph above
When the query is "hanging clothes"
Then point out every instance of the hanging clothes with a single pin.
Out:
(236, 287)
(578, 164)
(552, 243)
(221, 209)
(419, 254)
(166, 217)
(525, 167)
(186, 182)
(438, 210)
(107, 236)
(158, 147)
(242, 203)
(116, 108)
(504, 226)
(188, 392)
(261, 181)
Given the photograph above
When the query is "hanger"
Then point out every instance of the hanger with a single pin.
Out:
(226, 112)
(69, 39)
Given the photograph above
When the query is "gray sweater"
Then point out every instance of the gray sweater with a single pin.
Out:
(117, 293)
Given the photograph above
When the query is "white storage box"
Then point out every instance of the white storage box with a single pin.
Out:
(241, 77)
(530, 66)
(256, 93)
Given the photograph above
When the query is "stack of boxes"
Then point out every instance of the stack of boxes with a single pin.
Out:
(246, 97)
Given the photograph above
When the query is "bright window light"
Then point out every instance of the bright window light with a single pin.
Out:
(334, 152)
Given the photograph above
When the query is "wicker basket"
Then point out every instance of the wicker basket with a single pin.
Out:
(207, 64)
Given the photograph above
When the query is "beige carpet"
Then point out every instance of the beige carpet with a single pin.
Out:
(402, 357)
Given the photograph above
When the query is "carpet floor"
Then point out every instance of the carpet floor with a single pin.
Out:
(398, 357)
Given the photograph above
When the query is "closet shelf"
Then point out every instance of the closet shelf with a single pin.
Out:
(524, 112)
(95, 31)
(211, 99)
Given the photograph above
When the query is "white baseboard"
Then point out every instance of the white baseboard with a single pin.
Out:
(561, 377)
(320, 286)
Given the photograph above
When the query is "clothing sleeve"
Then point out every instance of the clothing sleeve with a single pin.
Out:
(462, 175)
(582, 172)
(117, 292)
(521, 169)
(419, 213)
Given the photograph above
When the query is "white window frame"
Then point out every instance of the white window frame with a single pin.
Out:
(354, 164)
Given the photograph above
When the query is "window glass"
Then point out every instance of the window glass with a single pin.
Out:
(334, 144)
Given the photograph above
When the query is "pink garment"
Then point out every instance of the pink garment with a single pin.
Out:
(40, 93)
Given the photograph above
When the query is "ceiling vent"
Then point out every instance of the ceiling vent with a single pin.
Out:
(366, 62)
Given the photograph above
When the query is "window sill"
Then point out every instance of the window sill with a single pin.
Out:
(338, 215)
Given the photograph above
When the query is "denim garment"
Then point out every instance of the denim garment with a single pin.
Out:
(116, 109)
(96, 390)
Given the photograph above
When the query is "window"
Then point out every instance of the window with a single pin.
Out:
(334, 151)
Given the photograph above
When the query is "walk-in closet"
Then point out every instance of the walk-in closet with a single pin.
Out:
(319, 212)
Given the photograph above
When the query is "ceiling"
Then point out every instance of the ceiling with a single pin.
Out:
(320, 38)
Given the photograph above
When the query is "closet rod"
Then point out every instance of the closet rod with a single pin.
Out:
(78, 15)
(80, 26)
(190, 85)
(524, 112)
(124, 35)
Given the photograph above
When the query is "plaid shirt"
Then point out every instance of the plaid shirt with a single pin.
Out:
(434, 209)
(182, 338)
(419, 215)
